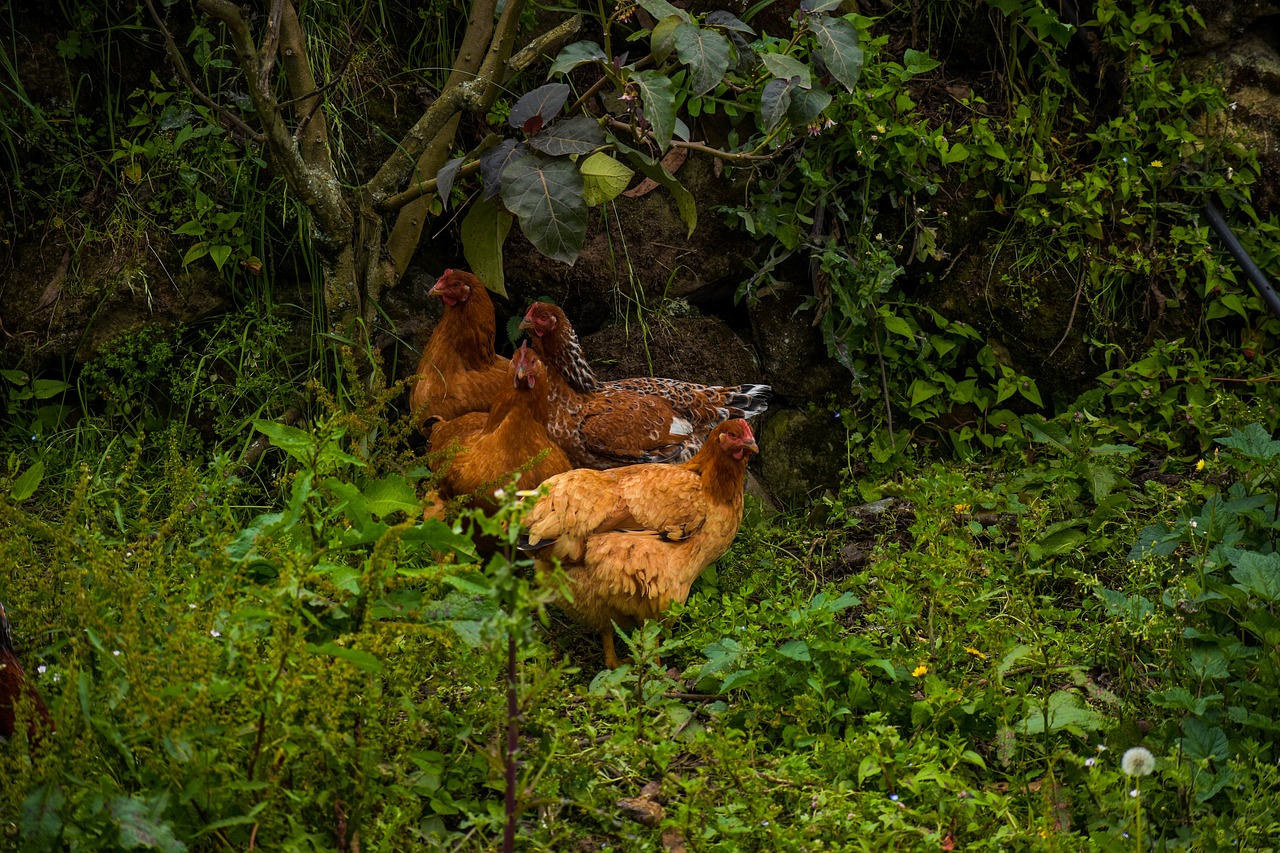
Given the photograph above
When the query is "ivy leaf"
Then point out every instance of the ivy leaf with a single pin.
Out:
(815, 6)
(546, 196)
(706, 52)
(578, 53)
(726, 21)
(658, 94)
(484, 230)
(663, 40)
(543, 103)
(838, 48)
(774, 101)
(662, 9)
(787, 67)
(603, 178)
(445, 177)
(576, 135)
(494, 162)
(807, 105)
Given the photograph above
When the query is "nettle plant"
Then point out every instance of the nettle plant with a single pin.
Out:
(564, 161)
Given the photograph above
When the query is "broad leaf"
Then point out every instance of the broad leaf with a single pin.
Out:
(787, 67)
(444, 179)
(658, 95)
(706, 52)
(797, 650)
(356, 657)
(807, 105)
(484, 230)
(1065, 711)
(578, 53)
(494, 162)
(393, 493)
(576, 135)
(775, 99)
(141, 823)
(655, 172)
(26, 485)
(543, 103)
(603, 178)
(838, 48)
(546, 196)
(1202, 742)
(438, 536)
(662, 9)
(291, 440)
(1257, 574)
(726, 21)
(663, 40)
(1254, 442)
(918, 62)
(814, 6)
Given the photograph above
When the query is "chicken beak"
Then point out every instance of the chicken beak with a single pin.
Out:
(750, 444)
(526, 325)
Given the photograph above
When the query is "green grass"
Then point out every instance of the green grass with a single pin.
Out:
(957, 671)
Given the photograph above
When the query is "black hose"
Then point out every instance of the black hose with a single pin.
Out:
(1242, 257)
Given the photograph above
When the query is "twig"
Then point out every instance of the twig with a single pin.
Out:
(418, 190)
(180, 66)
(697, 146)
(1072, 319)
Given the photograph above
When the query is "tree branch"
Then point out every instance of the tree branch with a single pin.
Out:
(175, 56)
(418, 190)
(698, 146)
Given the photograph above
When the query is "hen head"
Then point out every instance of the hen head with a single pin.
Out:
(455, 286)
(526, 367)
(542, 318)
(736, 438)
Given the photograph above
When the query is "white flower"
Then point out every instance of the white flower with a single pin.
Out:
(1138, 761)
(1088, 762)
(500, 494)
(116, 653)
(191, 607)
(42, 669)
(214, 632)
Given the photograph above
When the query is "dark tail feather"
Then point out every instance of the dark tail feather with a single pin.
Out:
(747, 401)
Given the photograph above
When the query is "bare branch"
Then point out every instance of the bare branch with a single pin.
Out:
(175, 56)
(297, 71)
(548, 44)
(418, 190)
(698, 146)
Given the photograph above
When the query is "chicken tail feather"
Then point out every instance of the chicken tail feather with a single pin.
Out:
(747, 401)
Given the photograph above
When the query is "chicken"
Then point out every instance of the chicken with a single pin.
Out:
(459, 371)
(14, 687)
(703, 406)
(633, 540)
(488, 447)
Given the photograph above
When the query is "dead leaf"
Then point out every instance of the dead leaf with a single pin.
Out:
(673, 841)
(54, 289)
(643, 811)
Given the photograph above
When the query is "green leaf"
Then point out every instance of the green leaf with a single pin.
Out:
(706, 52)
(1202, 742)
(291, 440)
(918, 62)
(603, 178)
(662, 9)
(922, 390)
(494, 162)
(140, 824)
(663, 40)
(1253, 442)
(43, 389)
(25, 486)
(807, 105)
(786, 67)
(393, 493)
(438, 536)
(727, 21)
(576, 135)
(190, 229)
(815, 6)
(42, 816)
(775, 99)
(795, 650)
(658, 95)
(471, 583)
(484, 231)
(1257, 574)
(578, 53)
(838, 48)
(898, 326)
(1065, 711)
(195, 253)
(358, 658)
(220, 254)
(546, 196)
(657, 173)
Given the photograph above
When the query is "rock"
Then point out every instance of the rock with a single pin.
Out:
(693, 348)
(801, 453)
(795, 359)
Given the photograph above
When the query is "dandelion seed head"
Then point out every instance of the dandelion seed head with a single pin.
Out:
(1138, 761)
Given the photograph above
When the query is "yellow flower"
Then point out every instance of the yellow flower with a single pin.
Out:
(971, 650)
(1200, 465)
(961, 508)
(1156, 164)
(922, 669)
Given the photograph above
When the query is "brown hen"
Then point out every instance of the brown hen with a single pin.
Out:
(633, 540)
(479, 451)
(703, 406)
(15, 688)
(459, 371)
